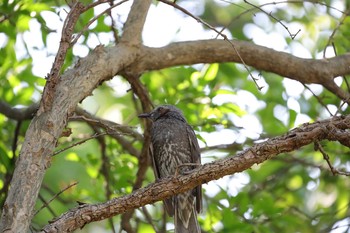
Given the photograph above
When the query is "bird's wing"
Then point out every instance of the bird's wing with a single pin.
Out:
(168, 203)
(154, 165)
(195, 158)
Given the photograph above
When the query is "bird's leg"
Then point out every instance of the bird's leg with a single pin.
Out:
(179, 171)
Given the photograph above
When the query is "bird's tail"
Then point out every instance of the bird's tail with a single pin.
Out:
(185, 214)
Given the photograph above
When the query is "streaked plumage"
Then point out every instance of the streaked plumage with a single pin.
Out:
(174, 143)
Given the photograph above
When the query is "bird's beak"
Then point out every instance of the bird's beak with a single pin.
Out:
(145, 115)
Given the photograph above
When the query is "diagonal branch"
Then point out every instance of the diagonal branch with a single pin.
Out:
(54, 75)
(109, 126)
(46, 203)
(293, 140)
(134, 24)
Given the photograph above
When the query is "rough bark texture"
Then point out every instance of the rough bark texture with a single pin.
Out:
(165, 188)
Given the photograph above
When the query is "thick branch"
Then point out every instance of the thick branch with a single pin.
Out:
(306, 71)
(17, 113)
(259, 57)
(293, 140)
(135, 22)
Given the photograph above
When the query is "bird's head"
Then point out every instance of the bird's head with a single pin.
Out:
(162, 112)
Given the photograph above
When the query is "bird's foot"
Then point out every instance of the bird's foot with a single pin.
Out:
(181, 171)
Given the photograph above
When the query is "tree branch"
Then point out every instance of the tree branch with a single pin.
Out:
(109, 126)
(261, 58)
(306, 71)
(293, 140)
(134, 24)
(17, 113)
(53, 78)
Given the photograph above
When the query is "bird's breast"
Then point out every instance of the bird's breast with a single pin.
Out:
(171, 146)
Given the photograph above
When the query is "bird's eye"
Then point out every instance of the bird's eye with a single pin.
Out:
(162, 110)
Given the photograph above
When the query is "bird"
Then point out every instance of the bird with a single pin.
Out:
(174, 149)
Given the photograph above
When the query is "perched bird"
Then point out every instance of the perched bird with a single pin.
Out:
(174, 143)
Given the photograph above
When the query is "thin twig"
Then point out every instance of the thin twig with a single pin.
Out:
(318, 99)
(164, 217)
(218, 32)
(113, 26)
(92, 5)
(54, 197)
(292, 36)
(331, 37)
(94, 19)
(114, 130)
(149, 218)
(51, 192)
(293, 159)
(78, 143)
(276, 3)
(104, 170)
(46, 204)
(15, 138)
(283, 2)
(319, 147)
(346, 101)
(334, 171)
(341, 105)
(107, 125)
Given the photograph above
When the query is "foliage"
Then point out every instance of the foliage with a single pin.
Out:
(295, 192)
